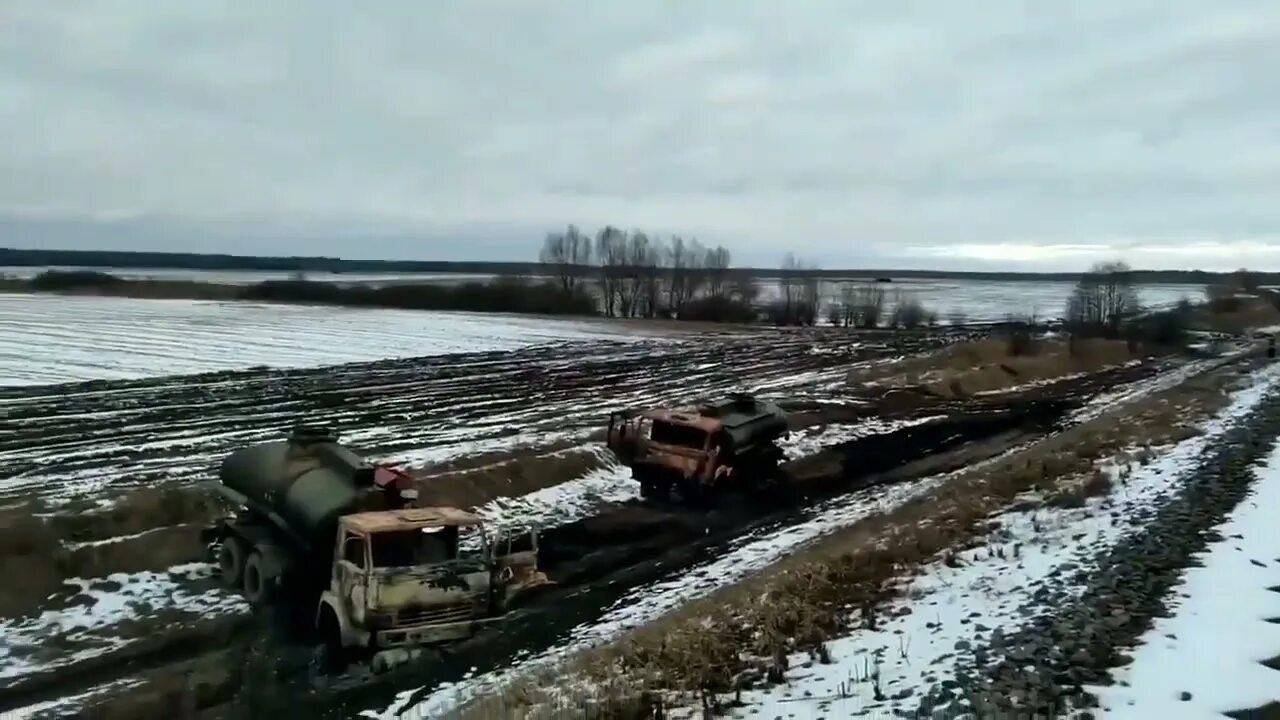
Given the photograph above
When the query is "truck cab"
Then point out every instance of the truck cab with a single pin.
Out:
(699, 451)
(420, 576)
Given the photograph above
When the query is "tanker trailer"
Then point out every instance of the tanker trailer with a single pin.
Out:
(318, 526)
(726, 445)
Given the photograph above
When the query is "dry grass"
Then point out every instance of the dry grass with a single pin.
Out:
(1050, 360)
(986, 365)
(707, 648)
(1252, 313)
(512, 476)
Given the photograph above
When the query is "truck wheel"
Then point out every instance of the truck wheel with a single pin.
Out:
(655, 490)
(231, 561)
(695, 495)
(257, 584)
(334, 658)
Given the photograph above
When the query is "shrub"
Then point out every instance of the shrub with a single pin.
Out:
(73, 279)
(909, 313)
(837, 315)
(1164, 329)
(1222, 298)
(798, 312)
(1019, 339)
(718, 309)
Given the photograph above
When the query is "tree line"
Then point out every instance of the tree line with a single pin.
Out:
(635, 275)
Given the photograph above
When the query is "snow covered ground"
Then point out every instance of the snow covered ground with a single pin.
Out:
(48, 338)
(91, 628)
(1208, 658)
(564, 503)
(946, 611)
(813, 439)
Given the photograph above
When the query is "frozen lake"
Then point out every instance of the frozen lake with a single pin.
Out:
(990, 300)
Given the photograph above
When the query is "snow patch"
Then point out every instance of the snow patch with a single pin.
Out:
(815, 439)
(1214, 645)
(91, 625)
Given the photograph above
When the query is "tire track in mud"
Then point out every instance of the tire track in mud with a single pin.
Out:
(58, 442)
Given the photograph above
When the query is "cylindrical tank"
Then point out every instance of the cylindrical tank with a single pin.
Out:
(747, 420)
(308, 480)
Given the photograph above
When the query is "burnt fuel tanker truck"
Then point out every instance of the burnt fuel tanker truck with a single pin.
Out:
(319, 527)
(703, 451)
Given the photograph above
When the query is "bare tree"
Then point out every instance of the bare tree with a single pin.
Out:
(678, 268)
(908, 312)
(651, 276)
(842, 310)
(695, 274)
(555, 255)
(810, 295)
(1102, 299)
(568, 254)
(789, 284)
(867, 306)
(633, 282)
(717, 270)
(744, 289)
(578, 252)
(611, 248)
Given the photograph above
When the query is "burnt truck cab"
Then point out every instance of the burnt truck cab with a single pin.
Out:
(701, 450)
(421, 576)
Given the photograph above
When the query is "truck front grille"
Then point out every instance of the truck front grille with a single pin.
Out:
(430, 614)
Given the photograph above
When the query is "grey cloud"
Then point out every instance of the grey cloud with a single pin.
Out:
(857, 133)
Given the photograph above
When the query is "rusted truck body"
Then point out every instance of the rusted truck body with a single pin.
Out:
(701, 451)
(318, 526)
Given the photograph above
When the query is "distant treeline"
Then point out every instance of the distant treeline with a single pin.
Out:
(503, 294)
(19, 257)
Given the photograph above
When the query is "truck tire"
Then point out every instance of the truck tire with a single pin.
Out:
(333, 657)
(231, 552)
(257, 583)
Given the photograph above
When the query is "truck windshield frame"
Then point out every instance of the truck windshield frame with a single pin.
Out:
(678, 435)
(408, 547)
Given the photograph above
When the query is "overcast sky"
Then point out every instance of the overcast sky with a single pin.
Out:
(886, 133)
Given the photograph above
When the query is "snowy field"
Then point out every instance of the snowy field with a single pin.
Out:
(49, 339)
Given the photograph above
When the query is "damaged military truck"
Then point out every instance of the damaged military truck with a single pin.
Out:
(319, 527)
(702, 452)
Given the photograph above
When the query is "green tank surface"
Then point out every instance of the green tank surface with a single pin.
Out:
(746, 420)
(303, 484)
